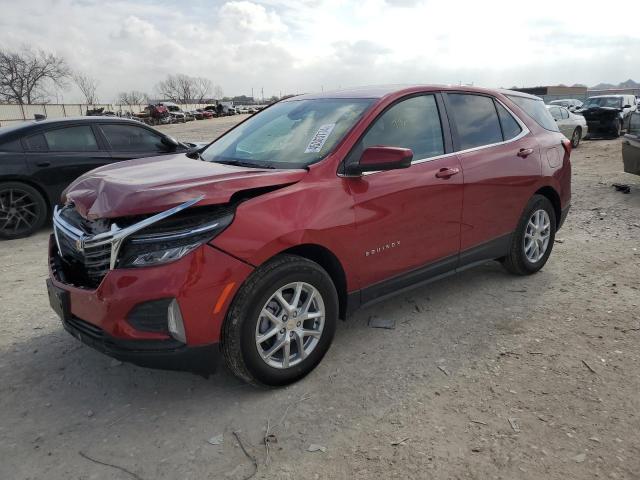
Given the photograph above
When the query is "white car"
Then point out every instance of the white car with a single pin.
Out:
(572, 126)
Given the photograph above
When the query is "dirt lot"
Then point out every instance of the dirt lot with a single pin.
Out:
(485, 375)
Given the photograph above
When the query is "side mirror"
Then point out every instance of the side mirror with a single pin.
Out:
(381, 158)
(170, 142)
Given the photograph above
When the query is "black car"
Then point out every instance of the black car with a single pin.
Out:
(608, 114)
(38, 159)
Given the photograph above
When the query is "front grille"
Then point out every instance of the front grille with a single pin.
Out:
(94, 260)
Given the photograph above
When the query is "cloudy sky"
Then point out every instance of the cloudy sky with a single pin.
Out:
(308, 45)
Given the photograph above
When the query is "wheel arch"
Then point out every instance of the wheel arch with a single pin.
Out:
(329, 261)
(552, 195)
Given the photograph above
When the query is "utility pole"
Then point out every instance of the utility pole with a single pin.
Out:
(262, 93)
(251, 93)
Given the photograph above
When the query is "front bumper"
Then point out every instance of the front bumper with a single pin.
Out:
(161, 354)
(98, 317)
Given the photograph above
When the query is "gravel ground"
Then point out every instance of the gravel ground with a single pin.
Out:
(485, 375)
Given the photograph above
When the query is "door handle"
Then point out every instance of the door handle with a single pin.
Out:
(43, 164)
(525, 152)
(447, 172)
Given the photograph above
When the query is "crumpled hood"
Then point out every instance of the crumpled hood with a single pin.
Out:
(154, 184)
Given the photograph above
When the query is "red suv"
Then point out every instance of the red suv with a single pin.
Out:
(305, 211)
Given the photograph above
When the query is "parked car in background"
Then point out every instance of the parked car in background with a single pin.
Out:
(189, 116)
(176, 113)
(570, 104)
(206, 114)
(631, 146)
(573, 126)
(216, 110)
(39, 159)
(608, 114)
(297, 216)
(154, 115)
(197, 114)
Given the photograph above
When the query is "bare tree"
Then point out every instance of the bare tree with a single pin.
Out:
(217, 92)
(202, 88)
(25, 75)
(88, 86)
(134, 97)
(184, 89)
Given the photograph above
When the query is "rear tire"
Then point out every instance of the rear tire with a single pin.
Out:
(23, 210)
(533, 238)
(575, 138)
(266, 342)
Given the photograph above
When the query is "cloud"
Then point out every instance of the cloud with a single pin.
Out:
(299, 46)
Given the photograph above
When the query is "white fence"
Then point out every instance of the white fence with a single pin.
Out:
(11, 113)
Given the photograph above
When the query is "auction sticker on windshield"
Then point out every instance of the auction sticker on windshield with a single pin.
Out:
(317, 142)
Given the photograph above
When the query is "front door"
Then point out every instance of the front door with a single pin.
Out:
(129, 141)
(410, 218)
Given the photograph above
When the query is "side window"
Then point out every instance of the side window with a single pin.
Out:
(36, 143)
(71, 139)
(476, 120)
(129, 138)
(413, 123)
(510, 127)
(11, 146)
(555, 113)
(564, 113)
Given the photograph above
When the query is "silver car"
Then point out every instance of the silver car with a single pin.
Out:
(573, 126)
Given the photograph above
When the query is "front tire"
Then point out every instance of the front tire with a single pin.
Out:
(23, 210)
(281, 322)
(533, 238)
(617, 131)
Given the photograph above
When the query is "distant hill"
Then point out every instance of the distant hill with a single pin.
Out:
(627, 84)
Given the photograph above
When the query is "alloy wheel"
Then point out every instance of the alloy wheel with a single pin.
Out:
(290, 325)
(18, 211)
(536, 236)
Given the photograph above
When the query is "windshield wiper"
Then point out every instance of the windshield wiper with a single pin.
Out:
(240, 163)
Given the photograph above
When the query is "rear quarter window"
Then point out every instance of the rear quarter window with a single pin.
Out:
(537, 110)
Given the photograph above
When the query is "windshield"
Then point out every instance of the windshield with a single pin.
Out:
(614, 102)
(289, 134)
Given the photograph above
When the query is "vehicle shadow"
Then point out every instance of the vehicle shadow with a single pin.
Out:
(58, 390)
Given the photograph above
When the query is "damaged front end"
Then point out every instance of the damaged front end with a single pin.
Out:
(88, 249)
(602, 120)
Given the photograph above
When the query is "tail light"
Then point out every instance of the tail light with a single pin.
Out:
(567, 146)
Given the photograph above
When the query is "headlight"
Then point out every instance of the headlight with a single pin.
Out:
(169, 241)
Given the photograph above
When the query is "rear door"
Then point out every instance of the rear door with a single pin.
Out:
(59, 155)
(500, 163)
(631, 146)
(409, 218)
(127, 141)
